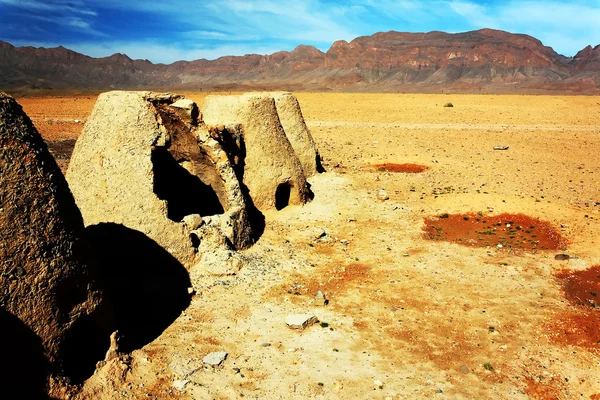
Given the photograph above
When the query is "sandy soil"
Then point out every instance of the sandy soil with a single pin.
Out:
(407, 317)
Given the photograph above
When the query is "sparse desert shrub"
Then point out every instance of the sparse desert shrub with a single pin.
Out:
(448, 105)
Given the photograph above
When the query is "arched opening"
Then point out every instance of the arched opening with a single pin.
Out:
(183, 191)
(282, 195)
(195, 241)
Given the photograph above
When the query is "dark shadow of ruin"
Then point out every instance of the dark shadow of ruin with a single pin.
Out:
(24, 365)
(147, 286)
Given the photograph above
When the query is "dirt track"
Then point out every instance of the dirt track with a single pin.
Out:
(425, 319)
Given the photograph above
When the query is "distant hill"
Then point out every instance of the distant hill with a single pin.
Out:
(485, 60)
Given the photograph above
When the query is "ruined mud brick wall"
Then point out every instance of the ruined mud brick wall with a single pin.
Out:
(297, 132)
(271, 169)
(144, 161)
(45, 278)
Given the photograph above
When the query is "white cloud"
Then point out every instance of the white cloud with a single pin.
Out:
(224, 27)
(567, 27)
(75, 6)
(475, 13)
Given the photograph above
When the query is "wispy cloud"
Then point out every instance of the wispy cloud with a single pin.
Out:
(78, 7)
(165, 31)
(567, 27)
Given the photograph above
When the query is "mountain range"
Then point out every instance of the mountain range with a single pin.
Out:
(485, 60)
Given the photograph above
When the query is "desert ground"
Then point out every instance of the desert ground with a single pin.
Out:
(410, 315)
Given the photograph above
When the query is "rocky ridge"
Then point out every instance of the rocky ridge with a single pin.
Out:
(483, 60)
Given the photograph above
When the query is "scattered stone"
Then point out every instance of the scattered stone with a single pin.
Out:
(382, 195)
(500, 147)
(193, 221)
(180, 384)
(562, 257)
(215, 358)
(319, 233)
(220, 262)
(300, 321)
(184, 367)
(464, 369)
(320, 299)
(267, 344)
(189, 109)
(378, 384)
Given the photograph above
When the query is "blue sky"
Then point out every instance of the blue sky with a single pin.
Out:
(170, 30)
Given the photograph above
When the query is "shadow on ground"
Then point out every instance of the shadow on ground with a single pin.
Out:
(147, 286)
(24, 365)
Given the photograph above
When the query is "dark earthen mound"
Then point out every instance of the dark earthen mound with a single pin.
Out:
(46, 280)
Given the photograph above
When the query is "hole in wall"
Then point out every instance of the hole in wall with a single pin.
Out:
(195, 241)
(183, 191)
(282, 195)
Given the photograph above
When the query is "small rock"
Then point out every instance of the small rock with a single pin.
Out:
(180, 384)
(464, 369)
(76, 121)
(300, 321)
(499, 246)
(382, 195)
(193, 221)
(215, 358)
(344, 242)
(191, 291)
(319, 233)
(266, 344)
(500, 147)
(221, 262)
(184, 367)
(320, 299)
(562, 257)
(378, 384)
(189, 108)
(184, 103)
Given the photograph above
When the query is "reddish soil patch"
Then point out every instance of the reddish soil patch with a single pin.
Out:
(511, 231)
(540, 391)
(581, 288)
(336, 280)
(331, 281)
(403, 168)
(582, 327)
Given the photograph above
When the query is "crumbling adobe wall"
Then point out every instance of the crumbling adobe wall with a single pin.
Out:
(272, 171)
(140, 162)
(297, 132)
(45, 277)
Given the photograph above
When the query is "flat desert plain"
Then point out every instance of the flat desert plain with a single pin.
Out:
(421, 304)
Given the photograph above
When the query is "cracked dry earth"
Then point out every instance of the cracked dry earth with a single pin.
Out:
(408, 317)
